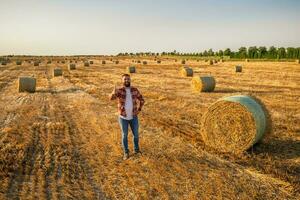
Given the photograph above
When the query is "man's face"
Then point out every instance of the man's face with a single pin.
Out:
(126, 81)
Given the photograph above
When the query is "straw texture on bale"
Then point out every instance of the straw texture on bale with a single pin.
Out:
(234, 124)
(57, 72)
(186, 71)
(203, 83)
(72, 66)
(238, 68)
(86, 64)
(131, 69)
(27, 84)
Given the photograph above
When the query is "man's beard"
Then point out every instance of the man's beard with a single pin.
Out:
(127, 84)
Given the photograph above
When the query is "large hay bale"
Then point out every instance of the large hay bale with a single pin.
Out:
(234, 124)
(72, 66)
(186, 71)
(49, 62)
(138, 61)
(246, 60)
(238, 68)
(86, 64)
(103, 62)
(210, 62)
(18, 62)
(36, 63)
(131, 69)
(63, 62)
(203, 83)
(27, 84)
(144, 62)
(215, 61)
(57, 72)
(158, 62)
(183, 62)
(117, 62)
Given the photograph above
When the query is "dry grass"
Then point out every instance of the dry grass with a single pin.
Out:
(69, 144)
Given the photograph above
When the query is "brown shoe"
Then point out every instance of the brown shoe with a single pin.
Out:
(136, 152)
(126, 156)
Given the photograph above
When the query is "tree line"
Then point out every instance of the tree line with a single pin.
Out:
(252, 52)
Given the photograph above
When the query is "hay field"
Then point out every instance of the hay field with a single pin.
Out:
(63, 141)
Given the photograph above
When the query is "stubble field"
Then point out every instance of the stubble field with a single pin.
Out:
(64, 141)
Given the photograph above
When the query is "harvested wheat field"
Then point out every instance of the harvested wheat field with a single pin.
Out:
(64, 140)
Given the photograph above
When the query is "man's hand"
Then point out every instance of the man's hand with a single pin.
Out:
(113, 94)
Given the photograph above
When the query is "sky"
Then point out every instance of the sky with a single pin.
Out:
(108, 27)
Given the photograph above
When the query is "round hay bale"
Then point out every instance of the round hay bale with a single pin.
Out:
(72, 66)
(86, 64)
(246, 60)
(27, 84)
(144, 62)
(57, 72)
(238, 68)
(117, 62)
(215, 61)
(210, 62)
(158, 62)
(18, 62)
(183, 62)
(63, 62)
(49, 62)
(131, 69)
(203, 83)
(36, 63)
(175, 60)
(103, 62)
(234, 124)
(91, 62)
(186, 71)
(138, 61)
(221, 60)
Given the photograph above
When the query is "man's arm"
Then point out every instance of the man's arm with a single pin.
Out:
(141, 100)
(114, 94)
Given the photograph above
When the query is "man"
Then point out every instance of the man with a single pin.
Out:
(129, 108)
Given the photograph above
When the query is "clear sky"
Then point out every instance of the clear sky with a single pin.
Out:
(69, 27)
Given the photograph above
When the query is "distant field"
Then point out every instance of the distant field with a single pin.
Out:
(63, 141)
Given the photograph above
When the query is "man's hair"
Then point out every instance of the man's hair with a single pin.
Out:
(125, 75)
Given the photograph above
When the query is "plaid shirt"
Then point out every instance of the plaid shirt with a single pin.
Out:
(121, 95)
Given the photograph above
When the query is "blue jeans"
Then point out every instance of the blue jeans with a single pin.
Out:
(134, 125)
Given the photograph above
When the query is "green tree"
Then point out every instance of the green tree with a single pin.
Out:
(252, 52)
(242, 52)
(262, 52)
(272, 52)
(227, 52)
(281, 53)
